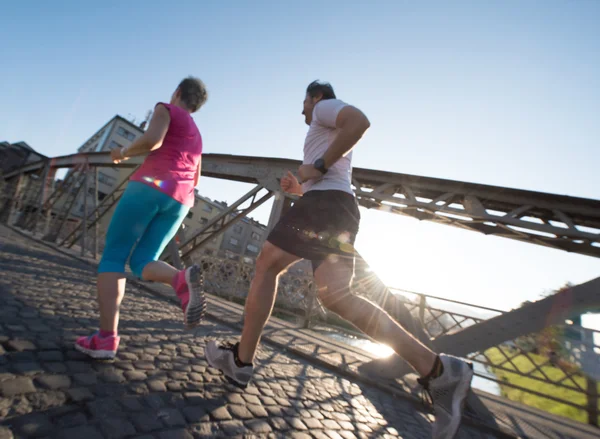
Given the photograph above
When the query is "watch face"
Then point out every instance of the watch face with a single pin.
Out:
(320, 165)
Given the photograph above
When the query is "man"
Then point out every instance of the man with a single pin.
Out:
(321, 227)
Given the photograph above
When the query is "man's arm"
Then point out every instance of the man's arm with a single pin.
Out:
(289, 183)
(153, 137)
(352, 124)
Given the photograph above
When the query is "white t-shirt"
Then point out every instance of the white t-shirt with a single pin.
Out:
(321, 133)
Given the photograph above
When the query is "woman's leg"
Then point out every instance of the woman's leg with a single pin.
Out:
(144, 262)
(132, 215)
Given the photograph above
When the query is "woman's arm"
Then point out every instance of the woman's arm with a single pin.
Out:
(149, 141)
(198, 172)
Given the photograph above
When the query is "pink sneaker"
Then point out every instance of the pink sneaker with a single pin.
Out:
(188, 285)
(98, 347)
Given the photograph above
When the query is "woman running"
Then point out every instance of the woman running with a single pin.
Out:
(156, 201)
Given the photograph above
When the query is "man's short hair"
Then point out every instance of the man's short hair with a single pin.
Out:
(193, 93)
(319, 88)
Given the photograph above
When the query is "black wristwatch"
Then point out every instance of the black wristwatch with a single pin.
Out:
(319, 165)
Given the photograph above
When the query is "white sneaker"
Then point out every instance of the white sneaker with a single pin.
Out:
(448, 393)
(222, 357)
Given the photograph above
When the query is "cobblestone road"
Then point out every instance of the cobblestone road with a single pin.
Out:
(160, 385)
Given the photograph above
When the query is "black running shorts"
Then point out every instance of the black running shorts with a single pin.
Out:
(319, 224)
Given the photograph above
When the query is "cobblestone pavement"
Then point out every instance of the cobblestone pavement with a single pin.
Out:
(159, 386)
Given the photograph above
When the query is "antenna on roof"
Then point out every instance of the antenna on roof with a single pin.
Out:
(131, 118)
(147, 119)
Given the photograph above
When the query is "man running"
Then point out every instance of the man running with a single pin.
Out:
(321, 227)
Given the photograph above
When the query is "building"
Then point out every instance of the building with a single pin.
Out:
(118, 132)
(244, 240)
(199, 216)
(15, 155)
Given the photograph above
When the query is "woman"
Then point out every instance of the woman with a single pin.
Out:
(157, 199)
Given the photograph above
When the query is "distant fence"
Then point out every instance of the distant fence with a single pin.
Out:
(559, 365)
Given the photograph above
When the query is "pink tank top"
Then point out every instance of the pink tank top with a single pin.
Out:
(172, 167)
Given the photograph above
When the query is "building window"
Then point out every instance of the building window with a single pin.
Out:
(255, 236)
(203, 220)
(190, 214)
(107, 180)
(207, 208)
(252, 248)
(238, 229)
(233, 241)
(124, 133)
(113, 145)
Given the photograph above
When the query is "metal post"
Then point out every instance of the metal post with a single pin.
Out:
(26, 201)
(174, 252)
(422, 303)
(41, 200)
(95, 200)
(592, 401)
(13, 193)
(219, 224)
(310, 306)
(85, 211)
(280, 207)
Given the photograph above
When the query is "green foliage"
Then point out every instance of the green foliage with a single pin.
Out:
(555, 374)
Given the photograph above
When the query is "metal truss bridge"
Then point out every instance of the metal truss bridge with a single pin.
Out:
(560, 222)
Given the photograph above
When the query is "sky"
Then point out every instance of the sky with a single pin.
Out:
(499, 92)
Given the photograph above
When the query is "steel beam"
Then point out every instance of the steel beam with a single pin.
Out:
(31, 221)
(85, 211)
(13, 189)
(45, 209)
(72, 191)
(105, 205)
(528, 319)
(95, 213)
(562, 222)
(222, 222)
(281, 205)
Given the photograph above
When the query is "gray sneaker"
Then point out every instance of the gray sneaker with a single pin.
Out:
(221, 357)
(448, 393)
(196, 307)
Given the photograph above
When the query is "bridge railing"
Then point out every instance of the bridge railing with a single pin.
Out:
(555, 370)
(230, 279)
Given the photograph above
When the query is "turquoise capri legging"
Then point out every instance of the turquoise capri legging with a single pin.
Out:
(145, 216)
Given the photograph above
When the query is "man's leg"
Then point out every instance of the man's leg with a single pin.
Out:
(235, 361)
(261, 297)
(333, 279)
(447, 379)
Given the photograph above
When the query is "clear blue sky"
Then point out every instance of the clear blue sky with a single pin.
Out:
(498, 92)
